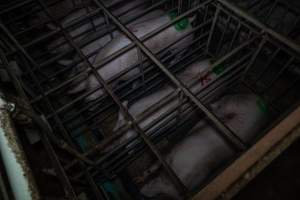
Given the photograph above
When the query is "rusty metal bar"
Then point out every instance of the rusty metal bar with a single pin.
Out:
(16, 166)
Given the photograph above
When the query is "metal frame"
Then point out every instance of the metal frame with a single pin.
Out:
(146, 55)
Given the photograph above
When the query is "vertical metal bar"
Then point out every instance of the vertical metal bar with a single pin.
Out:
(95, 188)
(87, 174)
(55, 161)
(236, 141)
(219, 48)
(65, 135)
(265, 67)
(141, 66)
(70, 193)
(289, 62)
(270, 11)
(254, 21)
(213, 27)
(180, 97)
(255, 56)
(139, 119)
(235, 35)
(66, 146)
(3, 188)
(180, 186)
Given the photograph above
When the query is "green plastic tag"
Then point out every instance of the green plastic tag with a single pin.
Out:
(218, 69)
(262, 105)
(181, 24)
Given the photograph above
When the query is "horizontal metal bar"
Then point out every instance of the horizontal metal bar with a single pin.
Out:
(225, 130)
(251, 19)
(239, 167)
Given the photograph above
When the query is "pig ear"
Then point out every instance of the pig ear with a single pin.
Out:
(121, 118)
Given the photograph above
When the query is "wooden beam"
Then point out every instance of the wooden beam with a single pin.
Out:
(242, 165)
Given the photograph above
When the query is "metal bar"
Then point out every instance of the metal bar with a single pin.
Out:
(273, 33)
(19, 174)
(4, 192)
(220, 44)
(54, 159)
(95, 188)
(270, 11)
(65, 146)
(125, 49)
(235, 35)
(236, 141)
(149, 68)
(213, 27)
(168, 169)
(261, 44)
(69, 191)
(171, 110)
(110, 80)
(290, 61)
(224, 58)
(239, 167)
(262, 164)
(265, 67)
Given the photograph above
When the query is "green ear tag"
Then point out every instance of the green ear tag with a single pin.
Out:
(218, 69)
(181, 24)
(262, 105)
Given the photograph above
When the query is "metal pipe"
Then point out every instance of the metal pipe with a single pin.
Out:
(251, 19)
(19, 174)
(236, 141)
(177, 182)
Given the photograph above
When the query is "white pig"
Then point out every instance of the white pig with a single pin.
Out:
(82, 29)
(189, 73)
(199, 154)
(123, 62)
(96, 45)
(245, 114)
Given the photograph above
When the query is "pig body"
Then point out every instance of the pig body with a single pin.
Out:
(143, 104)
(198, 155)
(84, 28)
(90, 50)
(123, 62)
(192, 160)
(243, 113)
